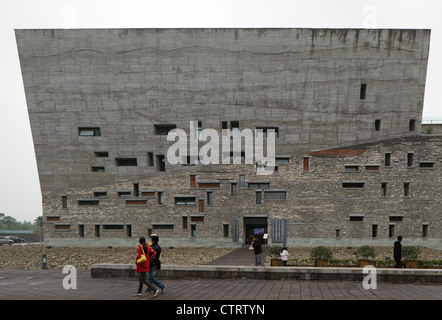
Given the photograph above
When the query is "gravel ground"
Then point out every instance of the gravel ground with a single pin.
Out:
(30, 256)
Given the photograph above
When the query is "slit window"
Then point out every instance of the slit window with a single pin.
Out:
(258, 197)
(391, 230)
(387, 159)
(372, 168)
(163, 226)
(356, 218)
(88, 202)
(233, 189)
(374, 230)
(113, 227)
(97, 169)
(424, 230)
(161, 162)
(100, 194)
(306, 164)
(150, 160)
(64, 202)
(409, 159)
(383, 189)
(406, 189)
(396, 218)
(89, 132)
(353, 185)
(259, 185)
(363, 92)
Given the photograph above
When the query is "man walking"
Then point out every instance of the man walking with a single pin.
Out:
(155, 264)
(257, 249)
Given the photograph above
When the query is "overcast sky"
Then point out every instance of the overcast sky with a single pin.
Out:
(20, 195)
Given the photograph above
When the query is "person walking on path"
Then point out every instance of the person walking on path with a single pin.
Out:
(397, 252)
(144, 267)
(155, 264)
(257, 249)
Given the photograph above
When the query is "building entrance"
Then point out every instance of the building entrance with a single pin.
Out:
(255, 225)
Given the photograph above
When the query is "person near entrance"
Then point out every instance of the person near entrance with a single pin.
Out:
(257, 250)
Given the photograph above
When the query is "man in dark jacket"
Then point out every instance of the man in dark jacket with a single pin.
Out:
(397, 253)
(257, 249)
(155, 264)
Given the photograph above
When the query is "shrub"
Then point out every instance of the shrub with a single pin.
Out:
(365, 252)
(321, 253)
(274, 252)
(410, 252)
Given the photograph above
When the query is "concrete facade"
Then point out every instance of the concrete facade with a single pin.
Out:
(101, 101)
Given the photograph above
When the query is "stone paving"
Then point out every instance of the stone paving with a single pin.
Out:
(48, 285)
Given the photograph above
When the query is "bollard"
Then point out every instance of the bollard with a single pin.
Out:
(44, 261)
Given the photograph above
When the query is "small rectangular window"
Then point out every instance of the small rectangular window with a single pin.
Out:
(193, 230)
(282, 160)
(363, 91)
(62, 227)
(377, 125)
(406, 189)
(100, 194)
(242, 181)
(396, 218)
(126, 162)
(412, 125)
(356, 218)
(259, 185)
(337, 233)
(97, 231)
(409, 159)
(136, 203)
(383, 189)
(353, 185)
(113, 227)
(97, 169)
(64, 202)
(136, 189)
(426, 164)
(225, 230)
(275, 195)
(201, 206)
(197, 219)
(88, 202)
(424, 230)
(102, 154)
(209, 198)
(160, 198)
(233, 189)
(387, 159)
(351, 168)
(258, 197)
(81, 230)
(94, 131)
(163, 226)
(163, 129)
(184, 221)
(185, 200)
(391, 230)
(374, 230)
(129, 231)
(372, 168)
(124, 193)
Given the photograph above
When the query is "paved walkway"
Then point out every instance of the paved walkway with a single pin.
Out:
(240, 257)
(48, 285)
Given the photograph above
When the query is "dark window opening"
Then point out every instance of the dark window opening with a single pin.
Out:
(64, 202)
(89, 202)
(185, 200)
(150, 160)
(363, 91)
(226, 230)
(163, 129)
(424, 230)
(97, 231)
(126, 162)
(90, 132)
(101, 154)
(161, 162)
(81, 230)
(406, 189)
(353, 185)
(391, 231)
(100, 194)
(412, 125)
(351, 168)
(113, 227)
(383, 189)
(426, 164)
(97, 169)
(409, 159)
(356, 218)
(388, 159)
(163, 226)
(374, 231)
(377, 125)
(396, 218)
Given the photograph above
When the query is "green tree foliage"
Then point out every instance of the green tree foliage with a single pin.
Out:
(10, 223)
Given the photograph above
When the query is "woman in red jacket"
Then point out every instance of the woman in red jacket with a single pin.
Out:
(144, 268)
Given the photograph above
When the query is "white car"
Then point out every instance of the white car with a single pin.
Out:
(3, 240)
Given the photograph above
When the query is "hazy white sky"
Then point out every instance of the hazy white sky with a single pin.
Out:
(20, 195)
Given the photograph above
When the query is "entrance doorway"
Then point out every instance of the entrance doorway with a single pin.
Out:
(255, 225)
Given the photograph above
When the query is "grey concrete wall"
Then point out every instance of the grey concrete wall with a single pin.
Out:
(306, 82)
